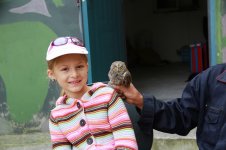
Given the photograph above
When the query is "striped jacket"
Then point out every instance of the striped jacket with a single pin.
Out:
(99, 121)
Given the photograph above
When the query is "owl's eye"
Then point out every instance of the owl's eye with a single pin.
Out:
(120, 68)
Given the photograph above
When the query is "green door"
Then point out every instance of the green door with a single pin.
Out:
(103, 35)
(104, 38)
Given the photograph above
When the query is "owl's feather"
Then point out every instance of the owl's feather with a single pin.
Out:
(119, 74)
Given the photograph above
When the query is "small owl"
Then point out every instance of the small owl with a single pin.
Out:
(119, 74)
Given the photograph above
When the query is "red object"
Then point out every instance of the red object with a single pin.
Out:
(199, 57)
(199, 60)
(193, 60)
(205, 57)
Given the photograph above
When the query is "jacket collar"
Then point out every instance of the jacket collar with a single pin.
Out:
(222, 77)
(65, 100)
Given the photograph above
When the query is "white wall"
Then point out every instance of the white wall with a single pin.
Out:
(163, 32)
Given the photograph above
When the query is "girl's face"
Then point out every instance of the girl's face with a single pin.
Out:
(71, 73)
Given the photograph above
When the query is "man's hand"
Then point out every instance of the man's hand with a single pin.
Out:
(131, 94)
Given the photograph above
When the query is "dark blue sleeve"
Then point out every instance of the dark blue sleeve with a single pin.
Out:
(173, 116)
(147, 115)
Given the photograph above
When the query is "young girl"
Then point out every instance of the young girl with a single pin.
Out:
(85, 117)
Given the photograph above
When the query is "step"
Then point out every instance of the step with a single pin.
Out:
(41, 141)
(32, 141)
(165, 141)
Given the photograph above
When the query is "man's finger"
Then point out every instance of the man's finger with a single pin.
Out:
(119, 88)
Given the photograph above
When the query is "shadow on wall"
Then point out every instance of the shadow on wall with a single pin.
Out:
(4, 113)
(5, 127)
(140, 51)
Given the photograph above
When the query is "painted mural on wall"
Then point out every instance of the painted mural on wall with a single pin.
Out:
(223, 26)
(27, 27)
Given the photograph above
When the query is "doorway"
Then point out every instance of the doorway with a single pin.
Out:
(158, 38)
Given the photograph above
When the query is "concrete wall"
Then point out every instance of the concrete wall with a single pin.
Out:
(27, 27)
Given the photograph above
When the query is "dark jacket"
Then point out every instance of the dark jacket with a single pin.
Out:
(202, 105)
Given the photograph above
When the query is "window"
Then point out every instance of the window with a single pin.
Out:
(175, 5)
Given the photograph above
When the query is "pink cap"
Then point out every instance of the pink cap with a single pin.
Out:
(65, 45)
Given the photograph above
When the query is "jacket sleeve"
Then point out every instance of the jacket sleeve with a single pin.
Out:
(123, 132)
(174, 116)
(221, 144)
(59, 142)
